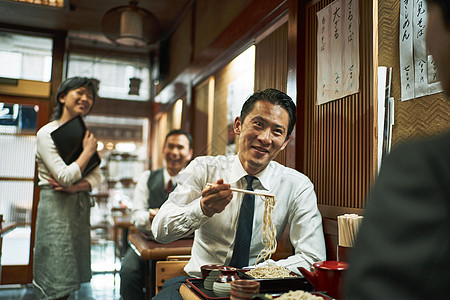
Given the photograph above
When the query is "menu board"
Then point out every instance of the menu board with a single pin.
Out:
(337, 50)
(418, 72)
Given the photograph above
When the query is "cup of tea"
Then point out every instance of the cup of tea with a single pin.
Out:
(328, 276)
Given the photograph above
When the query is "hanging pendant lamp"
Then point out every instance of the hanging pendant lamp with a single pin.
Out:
(131, 25)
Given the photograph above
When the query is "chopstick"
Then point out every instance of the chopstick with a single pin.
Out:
(247, 191)
(348, 225)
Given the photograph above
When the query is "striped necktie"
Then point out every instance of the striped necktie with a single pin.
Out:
(243, 238)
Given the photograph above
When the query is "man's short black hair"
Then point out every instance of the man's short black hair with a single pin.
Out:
(275, 97)
(182, 132)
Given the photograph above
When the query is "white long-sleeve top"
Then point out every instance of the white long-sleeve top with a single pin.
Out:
(139, 212)
(50, 162)
(296, 205)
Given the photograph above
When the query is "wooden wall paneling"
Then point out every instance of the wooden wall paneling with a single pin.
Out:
(159, 131)
(209, 23)
(339, 135)
(59, 44)
(188, 110)
(235, 76)
(220, 123)
(211, 88)
(295, 50)
(271, 66)
(271, 60)
(232, 40)
(170, 120)
(200, 118)
(181, 47)
(300, 48)
(417, 117)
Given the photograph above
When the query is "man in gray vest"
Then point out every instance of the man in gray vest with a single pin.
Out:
(151, 191)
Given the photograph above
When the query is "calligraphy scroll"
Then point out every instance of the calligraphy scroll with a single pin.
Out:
(417, 69)
(337, 50)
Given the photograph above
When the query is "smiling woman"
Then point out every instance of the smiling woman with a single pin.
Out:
(63, 213)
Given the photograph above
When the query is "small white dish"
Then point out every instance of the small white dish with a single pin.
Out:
(222, 289)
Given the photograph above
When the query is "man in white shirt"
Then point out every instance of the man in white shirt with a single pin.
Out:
(213, 212)
(151, 191)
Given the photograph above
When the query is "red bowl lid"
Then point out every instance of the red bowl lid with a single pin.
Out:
(331, 265)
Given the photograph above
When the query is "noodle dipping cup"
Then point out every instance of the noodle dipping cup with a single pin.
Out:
(243, 289)
(206, 269)
(222, 285)
(328, 276)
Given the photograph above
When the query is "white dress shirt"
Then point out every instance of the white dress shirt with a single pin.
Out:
(139, 211)
(50, 163)
(296, 205)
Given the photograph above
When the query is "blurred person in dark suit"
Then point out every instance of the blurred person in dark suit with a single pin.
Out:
(151, 191)
(403, 246)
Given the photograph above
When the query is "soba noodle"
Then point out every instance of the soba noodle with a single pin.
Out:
(298, 295)
(269, 239)
(271, 271)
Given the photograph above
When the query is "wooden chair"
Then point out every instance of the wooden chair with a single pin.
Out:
(330, 231)
(166, 269)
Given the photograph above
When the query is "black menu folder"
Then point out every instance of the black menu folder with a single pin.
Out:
(68, 139)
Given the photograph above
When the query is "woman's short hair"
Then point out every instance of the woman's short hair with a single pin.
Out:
(73, 83)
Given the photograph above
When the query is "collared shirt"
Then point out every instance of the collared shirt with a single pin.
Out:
(50, 162)
(296, 205)
(139, 211)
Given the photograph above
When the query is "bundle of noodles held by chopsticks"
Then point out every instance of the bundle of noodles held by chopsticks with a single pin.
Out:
(269, 239)
(348, 226)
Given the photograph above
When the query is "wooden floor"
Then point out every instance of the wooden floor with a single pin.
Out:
(105, 283)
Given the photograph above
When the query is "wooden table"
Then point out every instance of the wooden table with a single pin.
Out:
(152, 251)
(187, 293)
(123, 223)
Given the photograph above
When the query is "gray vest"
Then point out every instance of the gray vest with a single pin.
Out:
(157, 192)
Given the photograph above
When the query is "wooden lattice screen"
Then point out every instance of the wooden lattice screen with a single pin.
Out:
(340, 135)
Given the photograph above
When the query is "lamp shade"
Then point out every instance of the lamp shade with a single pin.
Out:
(131, 25)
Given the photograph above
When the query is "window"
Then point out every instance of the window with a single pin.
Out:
(116, 76)
(18, 125)
(25, 57)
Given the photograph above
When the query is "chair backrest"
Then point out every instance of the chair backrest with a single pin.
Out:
(330, 231)
(166, 270)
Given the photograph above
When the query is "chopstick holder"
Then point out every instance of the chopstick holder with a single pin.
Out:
(348, 225)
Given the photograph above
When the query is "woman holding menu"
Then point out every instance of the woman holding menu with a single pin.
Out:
(62, 258)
